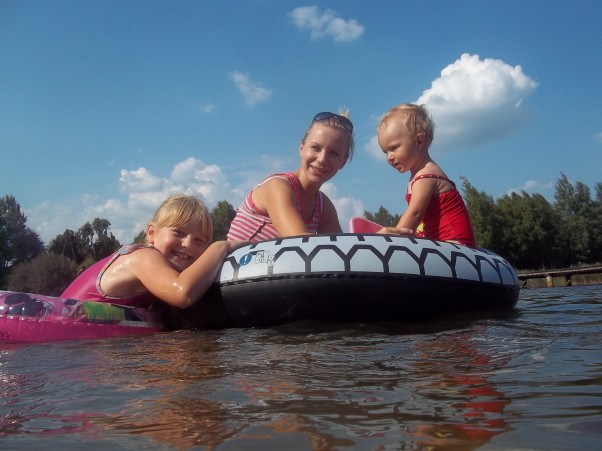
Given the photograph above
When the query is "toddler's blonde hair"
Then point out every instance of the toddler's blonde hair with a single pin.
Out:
(415, 118)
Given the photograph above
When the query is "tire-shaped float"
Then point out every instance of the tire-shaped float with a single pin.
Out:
(351, 277)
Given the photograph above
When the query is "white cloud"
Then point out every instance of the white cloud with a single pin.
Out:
(327, 23)
(599, 137)
(199, 179)
(207, 108)
(253, 92)
(48, 218)
(530, 184)
(475, 102)
(374, 149)
(347, 207)
(140, 180)
(141, 192)
(531, 187)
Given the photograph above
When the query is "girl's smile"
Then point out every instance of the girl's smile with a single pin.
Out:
(180, 245)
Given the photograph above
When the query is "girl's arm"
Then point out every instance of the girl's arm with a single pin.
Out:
(181, 289)
(422, 193)
(396, 231)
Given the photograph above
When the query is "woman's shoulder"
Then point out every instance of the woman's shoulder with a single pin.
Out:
(285, 181)
(278, 177)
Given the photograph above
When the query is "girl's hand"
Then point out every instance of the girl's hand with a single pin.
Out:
(402, 231)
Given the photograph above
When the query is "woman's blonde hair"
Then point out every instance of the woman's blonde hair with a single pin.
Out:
(181, 209)
(415, 118)
(334, 123)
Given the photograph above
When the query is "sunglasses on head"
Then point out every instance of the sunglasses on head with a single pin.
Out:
(341, 120)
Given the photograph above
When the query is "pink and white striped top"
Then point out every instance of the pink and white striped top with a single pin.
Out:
(253, 224)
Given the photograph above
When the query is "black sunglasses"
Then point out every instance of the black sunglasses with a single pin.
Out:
(341, 120)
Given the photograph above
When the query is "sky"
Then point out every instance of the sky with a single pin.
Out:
(108, 106)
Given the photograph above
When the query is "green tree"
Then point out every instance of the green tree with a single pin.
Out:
(222, 215)
(382, 217)
(141, 237)
(484, 217)
(105, 242)
(595, 228)
(529, 230)
(18, 243)
(546, 232)
(578, 221)
(92, 242)
(67, 244)
(47, 274)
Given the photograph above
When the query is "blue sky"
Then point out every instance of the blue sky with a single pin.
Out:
(107, 107)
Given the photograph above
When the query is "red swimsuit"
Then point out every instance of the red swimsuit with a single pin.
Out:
(446, 217)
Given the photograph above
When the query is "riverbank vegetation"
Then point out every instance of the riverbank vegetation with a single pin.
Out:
(526, 229)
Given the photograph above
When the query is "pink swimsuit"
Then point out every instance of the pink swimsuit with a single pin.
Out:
(446, 217)
(255, 225)
(87, 285)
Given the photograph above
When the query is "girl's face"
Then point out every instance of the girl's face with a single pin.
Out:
(403, 151)
(181, 246)
(323, 152)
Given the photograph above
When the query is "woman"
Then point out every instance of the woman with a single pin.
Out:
(291, 203)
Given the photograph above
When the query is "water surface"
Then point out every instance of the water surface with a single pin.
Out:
(526, 379)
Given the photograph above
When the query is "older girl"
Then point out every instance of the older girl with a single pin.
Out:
(176, 265)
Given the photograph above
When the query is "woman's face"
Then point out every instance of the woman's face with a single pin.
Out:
(323, 152)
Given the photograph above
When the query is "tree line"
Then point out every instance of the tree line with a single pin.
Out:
(527, 230)
(28, 265)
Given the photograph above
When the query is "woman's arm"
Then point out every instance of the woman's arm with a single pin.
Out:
(277, 198)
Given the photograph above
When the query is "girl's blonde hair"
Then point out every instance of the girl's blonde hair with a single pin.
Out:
(334, 123)
(415, 118)
(181, 209)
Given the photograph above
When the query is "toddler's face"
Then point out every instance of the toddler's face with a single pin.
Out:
(401, 149)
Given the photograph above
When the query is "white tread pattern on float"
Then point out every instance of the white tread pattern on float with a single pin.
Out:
(387, 255)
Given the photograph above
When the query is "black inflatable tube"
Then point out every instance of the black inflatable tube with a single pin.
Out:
(339, 298)
(350, 277)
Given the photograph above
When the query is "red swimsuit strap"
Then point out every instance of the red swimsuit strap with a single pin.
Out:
(430, 176)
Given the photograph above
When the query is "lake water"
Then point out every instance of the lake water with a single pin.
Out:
(530, 379)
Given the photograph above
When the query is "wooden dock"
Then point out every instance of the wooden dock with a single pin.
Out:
(549, 274)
